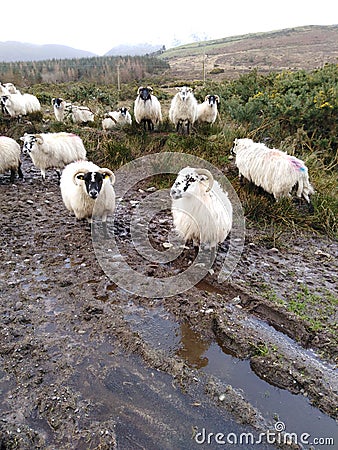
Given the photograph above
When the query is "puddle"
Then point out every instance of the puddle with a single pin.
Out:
(159, 330)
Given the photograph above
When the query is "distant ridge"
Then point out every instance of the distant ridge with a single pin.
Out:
(11, 51)
(133, 50)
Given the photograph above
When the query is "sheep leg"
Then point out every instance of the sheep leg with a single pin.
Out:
(12, 177)
(58, 172)
(20, 171)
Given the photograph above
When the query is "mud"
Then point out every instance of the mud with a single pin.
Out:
(86, 365)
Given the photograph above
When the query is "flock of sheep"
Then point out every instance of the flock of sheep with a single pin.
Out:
(201, 210)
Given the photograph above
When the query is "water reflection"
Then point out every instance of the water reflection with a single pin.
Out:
(192, 348)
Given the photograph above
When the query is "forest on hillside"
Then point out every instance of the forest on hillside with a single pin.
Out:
(103, 70)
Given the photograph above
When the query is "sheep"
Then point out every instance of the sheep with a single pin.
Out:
(87, 191)
(31, 103)
(10, 157)
(13, 105)
(16, 104)
(11, 89)
(273, 170)
(3, 90)
(79, 114)
(147, 108)
(53, 150)
(59, 108)
(116, 118)
(183, 109)
(207, 111)
(201, 210)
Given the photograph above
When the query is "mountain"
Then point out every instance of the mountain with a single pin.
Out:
(22, 51)
(133, 50)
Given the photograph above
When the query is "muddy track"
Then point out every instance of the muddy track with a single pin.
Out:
(85, 364)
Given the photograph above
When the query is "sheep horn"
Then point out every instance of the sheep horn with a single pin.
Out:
(77, 173)
(208, 174)
(108, 172)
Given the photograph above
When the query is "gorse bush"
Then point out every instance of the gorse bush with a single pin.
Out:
(275, 106)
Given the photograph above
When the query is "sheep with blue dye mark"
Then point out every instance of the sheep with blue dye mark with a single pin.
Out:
(208, 110)
(53, 150)
(10, 152)
(117, 118)
(183, 109)
(273, 170)
(87, 190)
(147, 108)
(201, 210)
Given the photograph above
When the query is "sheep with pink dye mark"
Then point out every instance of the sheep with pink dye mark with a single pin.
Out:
(273, 170)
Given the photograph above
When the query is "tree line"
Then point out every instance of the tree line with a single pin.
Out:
(101, 69)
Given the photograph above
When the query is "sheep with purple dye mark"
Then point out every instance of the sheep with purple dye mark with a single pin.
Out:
(273, 170)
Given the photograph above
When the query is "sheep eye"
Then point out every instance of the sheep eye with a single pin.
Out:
(80, 177)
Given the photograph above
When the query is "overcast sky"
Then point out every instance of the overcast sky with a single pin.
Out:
(99, 25)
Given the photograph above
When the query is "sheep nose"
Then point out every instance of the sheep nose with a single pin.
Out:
(175, 194)
(93, 193)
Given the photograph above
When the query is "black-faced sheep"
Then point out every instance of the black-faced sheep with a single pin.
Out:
(200, 208)
(117, 118)
(77, 114)
(10, 157)
(273, 170)
(147, 108)
(183, 109)
(207, 111)
(87, 190)
(53, 150)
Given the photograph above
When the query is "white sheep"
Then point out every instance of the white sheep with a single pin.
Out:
(183, 109)
(10, 157)
(53, 150)
(117, 118)
(59, 108)
(13, 105)
(11, 89)
(87, 190)
(31, 103)
(78, 114)
(147, 108)
(3, 90)
(200, 208)
(207, 111)
(273, 170)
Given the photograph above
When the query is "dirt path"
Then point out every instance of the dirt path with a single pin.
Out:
(84, 364)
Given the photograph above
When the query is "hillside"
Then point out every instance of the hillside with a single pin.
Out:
(305, 47)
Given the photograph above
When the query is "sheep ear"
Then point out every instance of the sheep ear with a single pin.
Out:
(150, 88)
(107, 173)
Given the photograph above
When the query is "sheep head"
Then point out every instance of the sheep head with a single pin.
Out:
(184, 92)
(29, 140)
(93, 181)
(212, 99)
(145, 92)
(189, 180)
